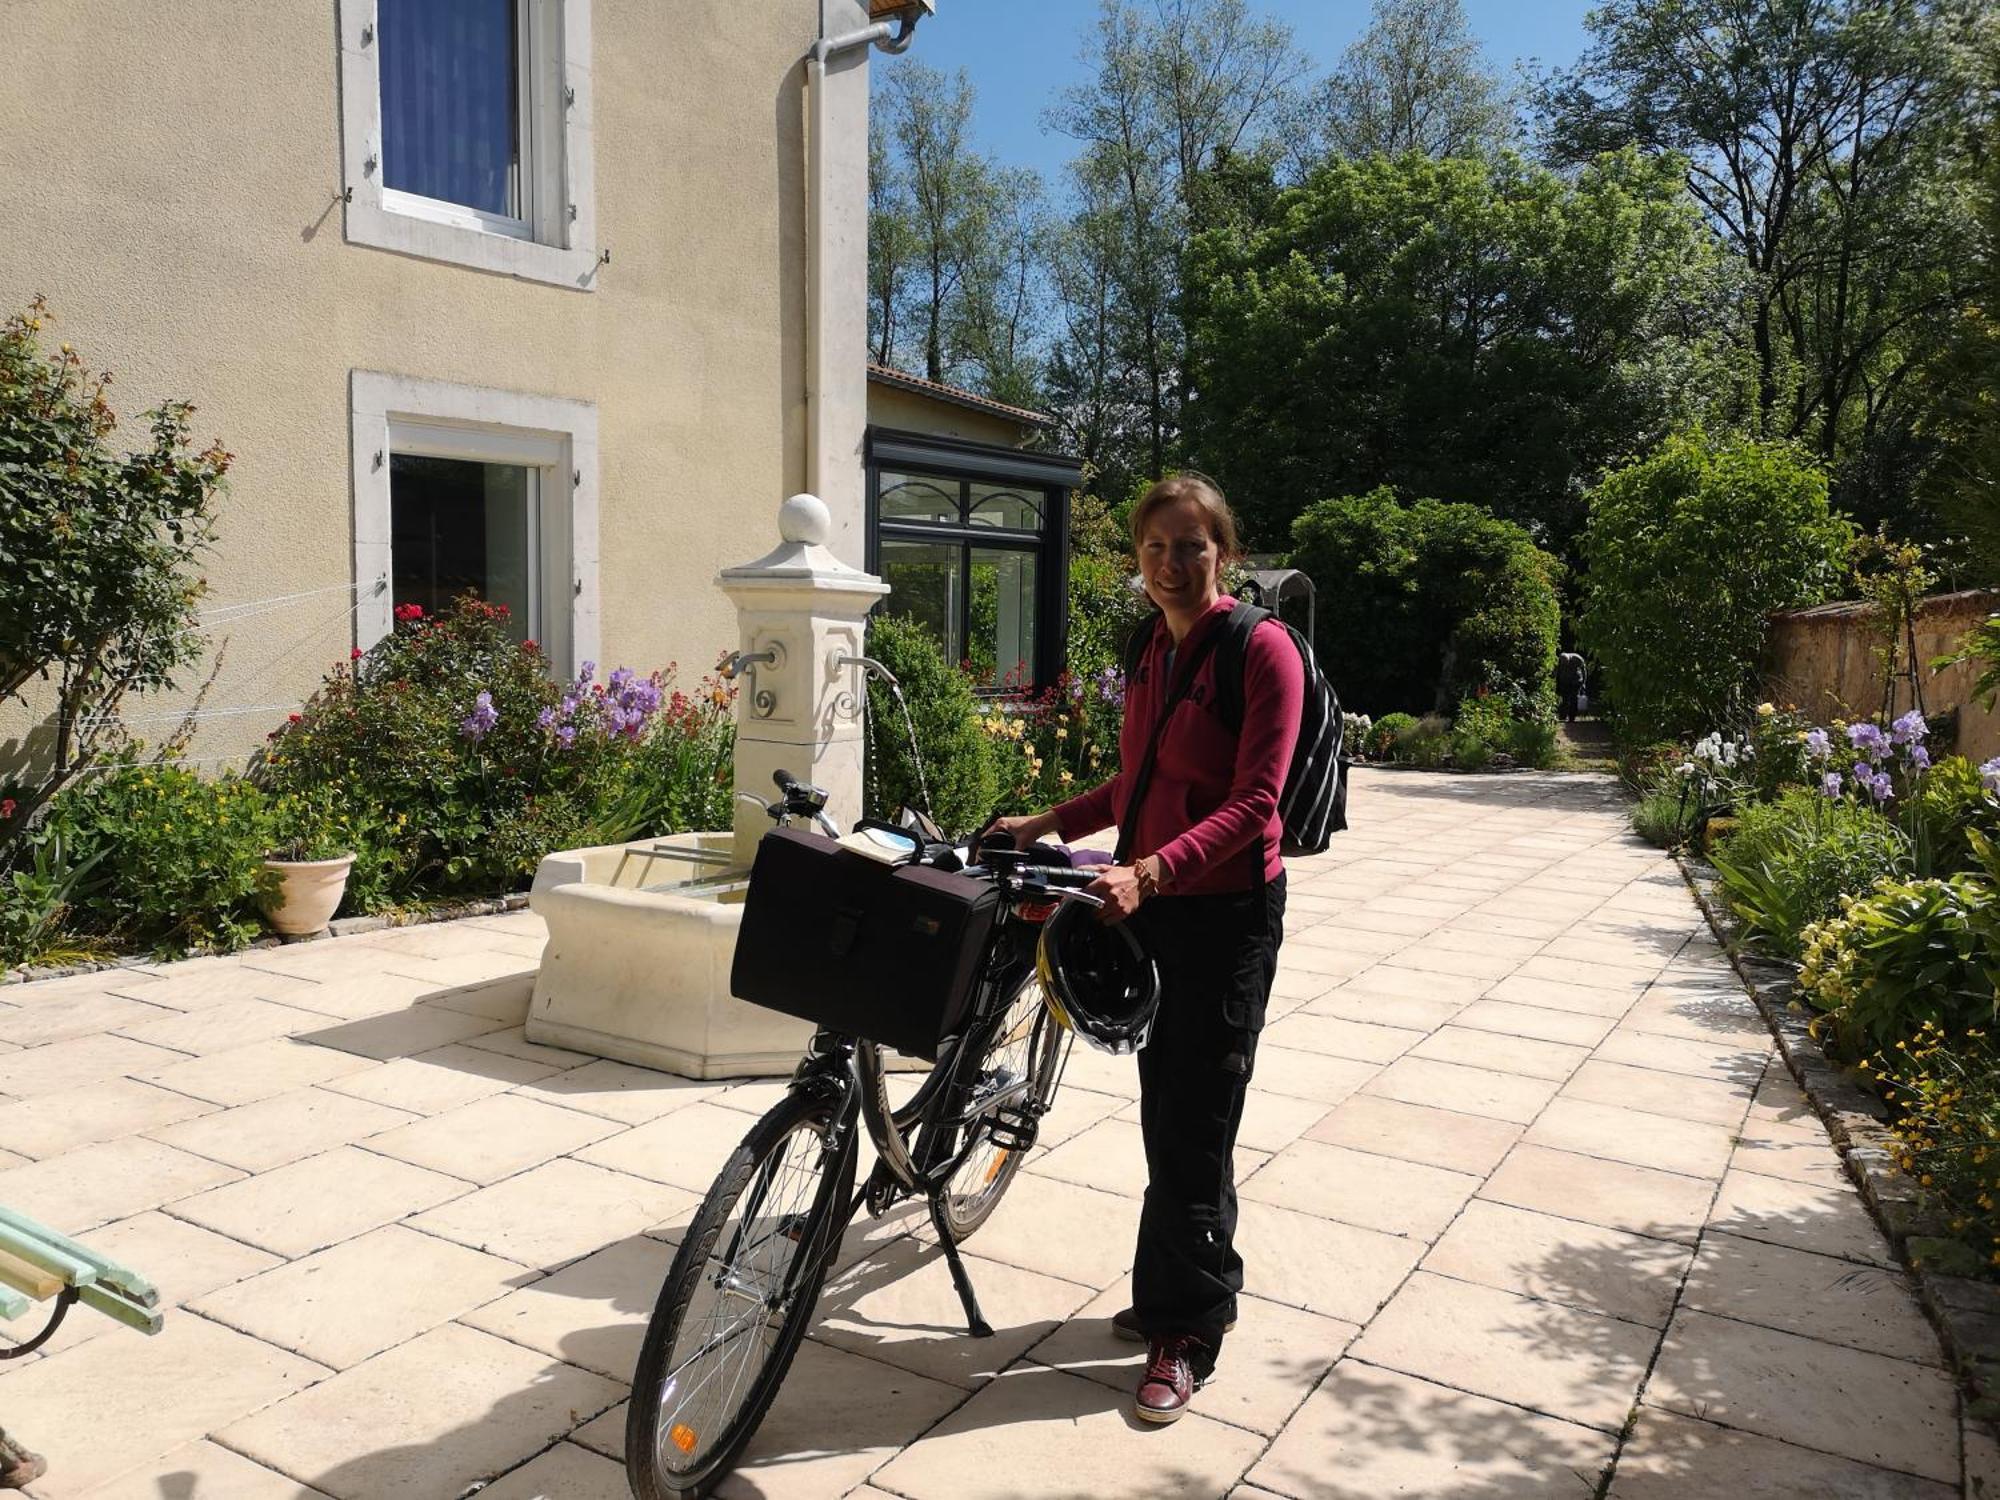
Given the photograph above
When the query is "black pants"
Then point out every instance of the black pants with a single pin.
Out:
(1569, 696)
(1217, 956)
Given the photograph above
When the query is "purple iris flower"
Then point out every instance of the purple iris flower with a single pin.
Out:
(1831, 784)
(476, 725)
(1868, 739)
(1818, 746)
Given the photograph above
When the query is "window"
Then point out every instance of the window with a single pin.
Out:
(970, 539)
(459, 488)
(467, 137)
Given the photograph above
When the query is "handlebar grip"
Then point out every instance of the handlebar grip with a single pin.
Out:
(1066, 876)
(783, 780)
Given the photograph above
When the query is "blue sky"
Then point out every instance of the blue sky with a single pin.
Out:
(1019, 53)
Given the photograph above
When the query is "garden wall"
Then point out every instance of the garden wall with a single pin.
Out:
(1822, 660)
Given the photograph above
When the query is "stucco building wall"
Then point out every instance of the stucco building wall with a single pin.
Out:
(171, 182)
(1823, 661)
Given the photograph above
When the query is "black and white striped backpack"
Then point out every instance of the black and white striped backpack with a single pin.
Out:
(1313, 803)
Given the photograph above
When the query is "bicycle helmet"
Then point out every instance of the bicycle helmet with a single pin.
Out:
(1099, 980)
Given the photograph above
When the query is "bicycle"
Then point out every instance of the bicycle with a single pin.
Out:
(743, 1285)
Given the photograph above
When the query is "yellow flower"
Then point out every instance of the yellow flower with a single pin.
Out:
(1766, 708)
(1066, 778)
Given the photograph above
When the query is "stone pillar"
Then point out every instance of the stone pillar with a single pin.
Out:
(802, 711)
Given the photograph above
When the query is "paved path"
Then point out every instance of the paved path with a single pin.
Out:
(1525, 1195)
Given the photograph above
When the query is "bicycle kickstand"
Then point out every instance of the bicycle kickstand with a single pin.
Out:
(976, 1324)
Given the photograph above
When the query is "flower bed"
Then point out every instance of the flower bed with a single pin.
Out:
(446, 759)
(1868, 867)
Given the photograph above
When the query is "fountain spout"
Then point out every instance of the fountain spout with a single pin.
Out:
(873, 668)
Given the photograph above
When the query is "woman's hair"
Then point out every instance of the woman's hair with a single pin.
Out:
(1205, 493)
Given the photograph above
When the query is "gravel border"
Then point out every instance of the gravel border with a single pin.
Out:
(457, 911)
(1965, 1312)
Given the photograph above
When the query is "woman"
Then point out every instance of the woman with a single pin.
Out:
(1207, 887)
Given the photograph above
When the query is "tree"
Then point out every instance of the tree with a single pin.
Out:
(1173, 84)
(954, 243)
(1415, 80)
(1451, 601)
(1688, 554)
(98, 551)
(1478, 330)
(891, 245)
(1818, 137)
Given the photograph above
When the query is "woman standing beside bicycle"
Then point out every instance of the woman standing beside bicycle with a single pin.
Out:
(1199, 873)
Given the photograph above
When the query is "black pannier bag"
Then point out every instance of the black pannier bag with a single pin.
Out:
(887, 952)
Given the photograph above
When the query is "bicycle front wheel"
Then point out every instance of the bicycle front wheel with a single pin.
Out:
(1014, 1070)
(737, 1301)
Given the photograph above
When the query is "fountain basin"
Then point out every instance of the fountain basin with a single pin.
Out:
(641, 939)
(638, 957)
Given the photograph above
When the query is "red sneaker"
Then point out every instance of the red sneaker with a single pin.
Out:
(1169, 1382)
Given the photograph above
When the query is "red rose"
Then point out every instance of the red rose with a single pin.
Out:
(409, 612)
(294, 718)
(6, 808)
(355, 654)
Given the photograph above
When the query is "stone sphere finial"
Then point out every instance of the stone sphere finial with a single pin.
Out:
(805, 518)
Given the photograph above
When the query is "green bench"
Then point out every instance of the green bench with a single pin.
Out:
(38, 1266)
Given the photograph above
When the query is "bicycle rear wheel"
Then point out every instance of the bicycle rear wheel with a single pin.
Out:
(1018, 1058)
(737, 1301)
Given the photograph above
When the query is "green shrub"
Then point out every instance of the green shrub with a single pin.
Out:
(1426, 603)
(476, 763)
(1665, 815)
(1426, 743)
(1534, 741)
(1688, 553)
(1906, 953)
(1382, 737)
(958, 767)
(1945, 1090)
(99, 559)
(1778, 755)
(176, 858)
(1787, 863)
(1950, 802)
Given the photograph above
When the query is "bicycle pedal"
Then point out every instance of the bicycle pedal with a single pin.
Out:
(1013, 1129)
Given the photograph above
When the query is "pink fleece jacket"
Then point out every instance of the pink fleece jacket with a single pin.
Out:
(1213, 792)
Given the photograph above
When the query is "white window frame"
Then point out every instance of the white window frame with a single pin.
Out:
(553, 436)
(555, 240)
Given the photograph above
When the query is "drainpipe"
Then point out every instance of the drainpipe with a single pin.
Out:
(837, 264)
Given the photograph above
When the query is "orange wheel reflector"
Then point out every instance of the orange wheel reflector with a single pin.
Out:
(683, 1436)
(993, 1171)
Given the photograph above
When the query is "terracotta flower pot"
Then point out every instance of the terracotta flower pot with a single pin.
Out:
(307, 895)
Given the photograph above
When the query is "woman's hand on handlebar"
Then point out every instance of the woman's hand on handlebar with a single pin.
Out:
(1118, 889)
(1024, 829)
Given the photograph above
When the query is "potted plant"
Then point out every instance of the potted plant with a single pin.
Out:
(312, 851)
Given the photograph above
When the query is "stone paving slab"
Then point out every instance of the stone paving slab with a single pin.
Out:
(1523, 1198)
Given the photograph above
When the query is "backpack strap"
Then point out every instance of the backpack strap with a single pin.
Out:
(1136, 644)
(1186, 665)
(1230, 665)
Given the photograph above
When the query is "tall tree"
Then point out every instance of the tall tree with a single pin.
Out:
(1172, 83)
(954, 259)
(1473, 329)
(1817, 135)
(1415, 80)
(891, 245)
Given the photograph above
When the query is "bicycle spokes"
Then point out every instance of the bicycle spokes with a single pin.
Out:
(753, 1272)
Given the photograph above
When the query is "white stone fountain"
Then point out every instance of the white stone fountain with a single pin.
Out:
(641, 935)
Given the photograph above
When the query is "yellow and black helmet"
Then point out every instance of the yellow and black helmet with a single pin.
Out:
(1099, 979)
